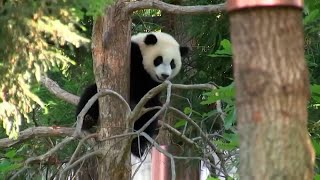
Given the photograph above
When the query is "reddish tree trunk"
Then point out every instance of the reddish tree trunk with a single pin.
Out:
(110, 45)
(272, 93)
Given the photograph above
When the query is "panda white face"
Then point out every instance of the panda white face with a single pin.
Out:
(161, 55)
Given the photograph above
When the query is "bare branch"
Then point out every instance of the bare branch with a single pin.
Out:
(99, 153)
(138, 110)
(56, 90)
(50, 152)
(43, 156)
(204, 137)
(166, 153)
(92, 100)
(79, 145)
(154, 91)
(194, 86)
(177, 133)
(174, 9)
(36, 132)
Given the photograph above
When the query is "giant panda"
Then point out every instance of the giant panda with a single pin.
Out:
(155, 57)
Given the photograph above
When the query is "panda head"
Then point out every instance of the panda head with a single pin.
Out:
(161, 54)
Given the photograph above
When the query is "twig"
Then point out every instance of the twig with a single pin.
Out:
(44, 156)
(177, 133)
(203, 135)
(140, 164)
(36, 132)
(174, 9)
(79, 145)
(19, 172)
(166, 153)
(92, 100)
(99, 152)
(137, 109)
(194, 86)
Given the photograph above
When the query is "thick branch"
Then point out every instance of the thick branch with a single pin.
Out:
(36, 132)
(174, 9)
(56, 90)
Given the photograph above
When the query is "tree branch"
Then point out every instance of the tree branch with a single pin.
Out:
(177, 133)
(36, 132)
(204, 137)
(56, 90)
(174, 9)
(92, 100)
(43, 156)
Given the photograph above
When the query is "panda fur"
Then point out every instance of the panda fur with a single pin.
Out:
(155, 57)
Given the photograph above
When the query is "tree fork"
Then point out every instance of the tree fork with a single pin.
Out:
(272, 92)
(110, 45)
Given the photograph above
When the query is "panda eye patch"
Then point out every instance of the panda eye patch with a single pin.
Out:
(172, 64)
(158, 61)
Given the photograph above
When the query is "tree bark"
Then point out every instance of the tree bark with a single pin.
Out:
(272, 92)
(110, 45)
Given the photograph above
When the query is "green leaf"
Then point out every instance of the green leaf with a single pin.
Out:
(212, 178)
(226, 44)
(316, 146)
(233, 142)
(230, 119)
(187, 110)
(226, 146)
(311, 17)
(223, 93)
(315, 92)
(180, 123)
(6, 166)
(224, 51)
(231, 137)
(10, 154)
(317, 177)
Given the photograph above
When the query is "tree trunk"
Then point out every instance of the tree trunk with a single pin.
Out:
(110, 45)
(272, 92)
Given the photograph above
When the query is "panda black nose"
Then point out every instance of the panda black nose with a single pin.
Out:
(164, 76)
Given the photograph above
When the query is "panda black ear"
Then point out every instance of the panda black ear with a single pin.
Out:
(150, 39)
(184, 51)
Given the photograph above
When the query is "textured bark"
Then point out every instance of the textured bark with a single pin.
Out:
(111, 39)
(272, 92)
(37, 132)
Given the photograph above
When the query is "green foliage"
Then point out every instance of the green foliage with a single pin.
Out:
(35, 37)
(95, 8)
(315, 94)
(317, 177)
(316, 146)
(224, 50)
(10, 162)
(228, 142)
(212, 178)
(33, 33)
(222, 93)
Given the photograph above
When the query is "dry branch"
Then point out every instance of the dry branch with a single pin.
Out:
(36, 132)
(92, 100)
(43, 157)
(56, 90)
(204, 137)
(136, 113)
(174, 9)
(177, 133)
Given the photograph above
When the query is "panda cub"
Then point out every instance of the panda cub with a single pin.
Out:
(155, 57)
